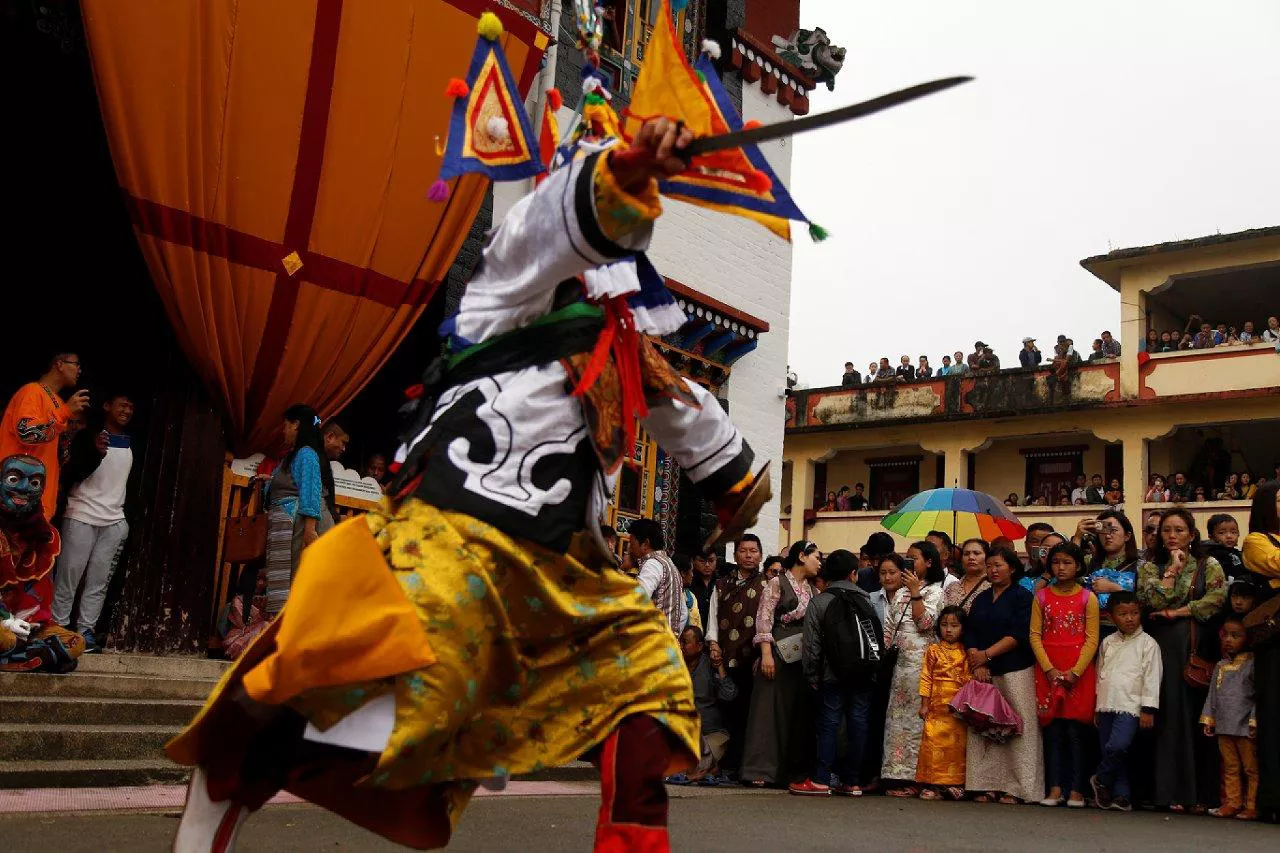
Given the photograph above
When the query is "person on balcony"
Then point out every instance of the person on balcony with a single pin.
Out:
(923, 369)
(1157, 493)
(1029, 356)
(1110, 346)
(1271, 334)
(1096, 493)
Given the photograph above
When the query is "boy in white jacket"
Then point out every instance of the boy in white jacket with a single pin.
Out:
(1129, 671)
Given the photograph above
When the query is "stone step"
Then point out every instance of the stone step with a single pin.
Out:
(24, 742)
(177, 666)
(105, 686)
(94, 710)
(90, 774)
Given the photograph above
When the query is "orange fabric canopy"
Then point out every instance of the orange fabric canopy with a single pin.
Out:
(275, 158)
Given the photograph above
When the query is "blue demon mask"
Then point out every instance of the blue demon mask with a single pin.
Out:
(21, 485)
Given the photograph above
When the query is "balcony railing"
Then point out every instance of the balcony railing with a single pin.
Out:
(968, 395)
(832, 530)
(1221, 371)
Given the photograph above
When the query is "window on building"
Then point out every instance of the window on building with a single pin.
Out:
(628, 26)
(893, 480)
(1052, 469)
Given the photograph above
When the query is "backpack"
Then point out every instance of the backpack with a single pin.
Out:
(849, 643)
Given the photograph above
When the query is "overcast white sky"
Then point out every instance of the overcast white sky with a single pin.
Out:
(1091, 126)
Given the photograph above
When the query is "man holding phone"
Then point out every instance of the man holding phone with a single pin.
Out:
(94, 528)
(37, 416)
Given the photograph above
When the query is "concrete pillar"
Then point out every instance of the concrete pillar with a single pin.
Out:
(801, 492)
(955, 468)
(1135, 476)
(1132, 330)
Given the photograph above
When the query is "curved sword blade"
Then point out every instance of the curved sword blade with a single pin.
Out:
(767, 132)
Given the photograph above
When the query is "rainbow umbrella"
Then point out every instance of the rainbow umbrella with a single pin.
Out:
(963, 512)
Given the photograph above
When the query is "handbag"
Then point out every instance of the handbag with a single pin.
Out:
(790, 648)
(245, 537)
(890, 660)
(1198, 672)
(1263, 622)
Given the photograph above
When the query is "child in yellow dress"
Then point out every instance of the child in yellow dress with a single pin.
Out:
(940, 767)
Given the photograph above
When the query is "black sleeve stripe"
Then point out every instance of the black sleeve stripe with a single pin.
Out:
(729, 474)
(713, 454)
(568, 226)
(585, 207)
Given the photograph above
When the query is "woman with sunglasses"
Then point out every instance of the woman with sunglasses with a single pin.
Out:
(780, 739)
(1114, 566)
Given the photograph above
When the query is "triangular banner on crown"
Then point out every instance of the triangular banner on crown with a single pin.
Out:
(668, 86)
(489, 130)
(772, 207)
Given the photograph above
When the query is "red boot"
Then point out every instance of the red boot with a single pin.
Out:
(633, 798)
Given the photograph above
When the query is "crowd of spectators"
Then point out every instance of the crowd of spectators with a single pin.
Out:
(982, 360)
(1200, 334)
(1231, 486)
(1111, 668)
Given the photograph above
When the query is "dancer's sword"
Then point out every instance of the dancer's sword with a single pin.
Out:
(767, 132)
(779, 130)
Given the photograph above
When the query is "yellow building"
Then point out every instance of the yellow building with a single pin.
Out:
(1022, 433)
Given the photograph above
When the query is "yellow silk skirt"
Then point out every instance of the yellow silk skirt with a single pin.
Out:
(504, 657)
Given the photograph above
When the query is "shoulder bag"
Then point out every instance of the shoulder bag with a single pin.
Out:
(891, 651)
(1263, 622)
(245, 537)
(790, 649)
(1198, 672)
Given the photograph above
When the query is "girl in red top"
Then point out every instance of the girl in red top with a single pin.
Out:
(1064, 638)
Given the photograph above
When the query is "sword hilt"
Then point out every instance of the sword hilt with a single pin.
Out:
(638, 159)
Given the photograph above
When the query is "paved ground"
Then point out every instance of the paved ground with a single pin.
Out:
(702, 821)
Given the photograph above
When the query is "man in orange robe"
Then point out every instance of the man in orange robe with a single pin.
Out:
(37, 417)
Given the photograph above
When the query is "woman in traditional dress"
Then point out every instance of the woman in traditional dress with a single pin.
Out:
(780, 734)
(1114, 565)
(1262, 558)
(998, 637)
(908, 627)
(973, 577)
(1180, 590)
(298, 497)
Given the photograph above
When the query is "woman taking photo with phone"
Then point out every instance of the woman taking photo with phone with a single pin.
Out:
(1114, 566)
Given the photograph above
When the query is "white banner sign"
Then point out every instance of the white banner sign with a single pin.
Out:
(347, 483)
